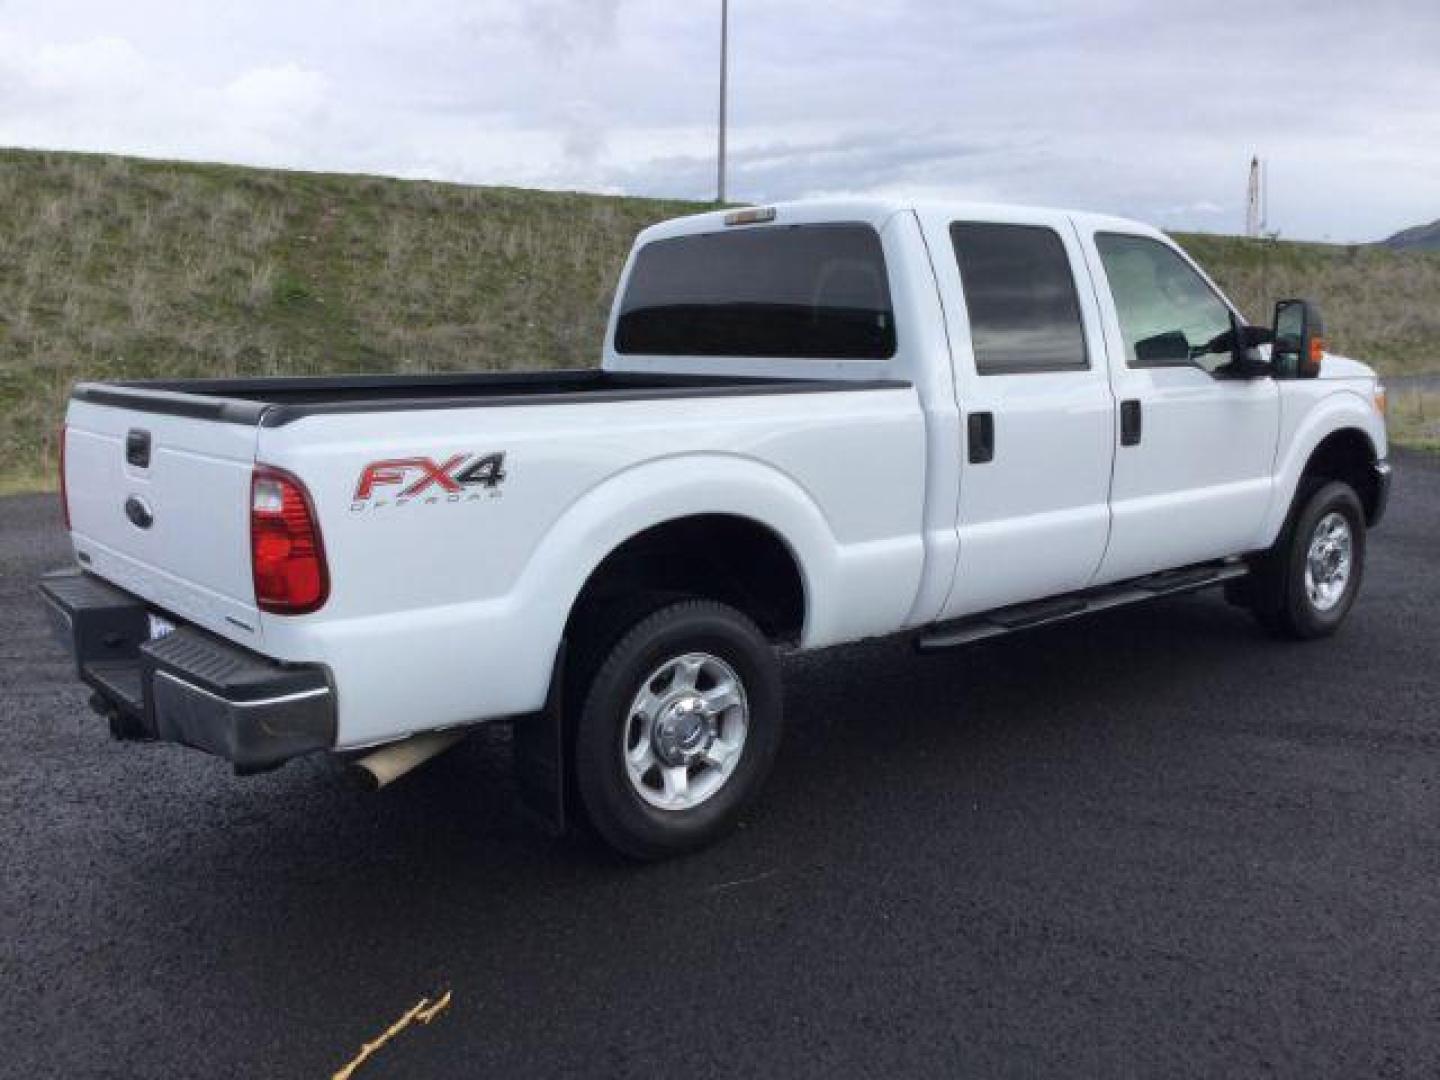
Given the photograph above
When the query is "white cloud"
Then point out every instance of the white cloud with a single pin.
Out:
(87, 67)
(274, 114)
(564, 25)
(287, 89)
(1122, 105)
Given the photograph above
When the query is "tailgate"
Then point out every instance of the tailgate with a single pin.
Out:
(159, 505)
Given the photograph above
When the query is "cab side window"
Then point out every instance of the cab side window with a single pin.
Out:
(1169, 316)
(1020, 296)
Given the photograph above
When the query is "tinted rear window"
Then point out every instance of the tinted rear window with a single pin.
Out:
(1024, 314)
(816, 291)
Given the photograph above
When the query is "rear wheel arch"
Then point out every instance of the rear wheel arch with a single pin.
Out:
(730, 558)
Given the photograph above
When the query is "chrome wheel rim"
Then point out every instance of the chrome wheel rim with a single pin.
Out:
(685, 732)
(1329, 561)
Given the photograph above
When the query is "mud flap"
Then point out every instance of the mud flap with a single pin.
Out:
(540, 756)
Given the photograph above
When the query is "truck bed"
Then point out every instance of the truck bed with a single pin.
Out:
(277, 401)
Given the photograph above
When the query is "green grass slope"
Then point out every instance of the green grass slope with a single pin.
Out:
(115, 267)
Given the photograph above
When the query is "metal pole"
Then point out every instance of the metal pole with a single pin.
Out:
(724, 64)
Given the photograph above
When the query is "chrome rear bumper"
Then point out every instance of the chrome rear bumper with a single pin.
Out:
(188, 686)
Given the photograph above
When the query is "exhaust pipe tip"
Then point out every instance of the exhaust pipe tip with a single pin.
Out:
(387, 764)
(358, 778)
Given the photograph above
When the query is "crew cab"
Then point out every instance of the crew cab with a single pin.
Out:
(813, 423)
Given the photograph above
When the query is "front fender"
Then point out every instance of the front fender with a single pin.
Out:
(1336, 411)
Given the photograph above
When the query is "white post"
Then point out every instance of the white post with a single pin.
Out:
(1252, 199)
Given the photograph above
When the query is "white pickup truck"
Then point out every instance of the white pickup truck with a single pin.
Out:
(813, 423)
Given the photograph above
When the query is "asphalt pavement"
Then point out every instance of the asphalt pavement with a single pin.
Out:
(1153, 844)
(1427, 382)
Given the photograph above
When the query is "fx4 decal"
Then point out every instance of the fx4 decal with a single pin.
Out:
(460, 477)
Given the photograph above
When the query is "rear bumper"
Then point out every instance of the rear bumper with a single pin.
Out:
(189, 686)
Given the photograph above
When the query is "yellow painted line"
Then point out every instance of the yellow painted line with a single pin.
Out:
(423, 1011)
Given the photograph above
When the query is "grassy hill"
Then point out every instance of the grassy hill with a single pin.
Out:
(1380, 306)
(115, 267)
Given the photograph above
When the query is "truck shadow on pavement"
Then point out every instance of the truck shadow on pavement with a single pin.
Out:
(875, 736)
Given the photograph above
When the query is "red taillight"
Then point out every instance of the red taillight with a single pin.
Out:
(286, 556)
(64, 495)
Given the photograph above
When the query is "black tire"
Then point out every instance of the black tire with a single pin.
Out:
(616, 810)
(1282, 602)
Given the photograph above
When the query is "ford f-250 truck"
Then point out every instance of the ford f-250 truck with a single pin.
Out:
(813, 423)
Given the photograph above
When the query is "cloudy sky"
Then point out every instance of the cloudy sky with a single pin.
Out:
(1149, 108)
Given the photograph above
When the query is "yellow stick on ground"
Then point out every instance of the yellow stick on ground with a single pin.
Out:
(434, 1010)
(422, 1011)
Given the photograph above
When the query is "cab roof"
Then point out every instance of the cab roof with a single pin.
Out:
(876, 211)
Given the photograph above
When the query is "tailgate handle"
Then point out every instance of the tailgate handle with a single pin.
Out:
(137, 448)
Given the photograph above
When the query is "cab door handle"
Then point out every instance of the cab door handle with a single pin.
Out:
(1130, 422)
(981, 437)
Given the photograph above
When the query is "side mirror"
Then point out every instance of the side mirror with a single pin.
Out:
(1299, 340)
(1248, 337)
(1245, 361)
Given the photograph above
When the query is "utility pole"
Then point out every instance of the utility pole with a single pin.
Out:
(724, 65)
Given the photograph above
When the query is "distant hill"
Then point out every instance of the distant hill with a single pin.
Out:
(1419, 238)
(115, 267)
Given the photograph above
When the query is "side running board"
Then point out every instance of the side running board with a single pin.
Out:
(1057, 609)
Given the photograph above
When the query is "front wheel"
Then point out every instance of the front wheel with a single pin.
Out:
(1313, 576)
(677, 729)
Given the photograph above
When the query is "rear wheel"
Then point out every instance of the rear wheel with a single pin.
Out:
(676, 729)
(1309, 582)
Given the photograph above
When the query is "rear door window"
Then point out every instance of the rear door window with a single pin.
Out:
(1020, 295)
(806, 291)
